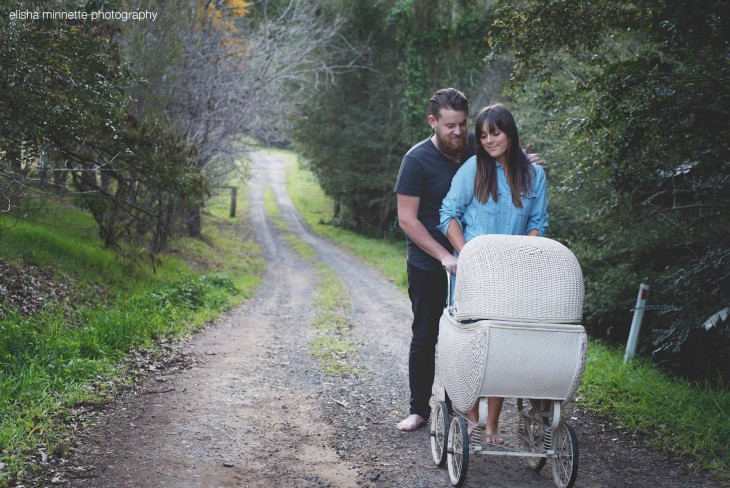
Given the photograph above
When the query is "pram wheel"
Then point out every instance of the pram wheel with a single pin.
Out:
(532, 440)
(565, 462)
(439, 432)
(457, 457)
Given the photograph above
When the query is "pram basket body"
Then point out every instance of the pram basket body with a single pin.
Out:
(514, 328)
(509, 359)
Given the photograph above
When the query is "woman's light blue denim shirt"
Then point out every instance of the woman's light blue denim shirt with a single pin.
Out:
(500, 217)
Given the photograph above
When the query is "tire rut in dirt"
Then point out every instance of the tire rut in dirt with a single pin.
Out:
(246, 414)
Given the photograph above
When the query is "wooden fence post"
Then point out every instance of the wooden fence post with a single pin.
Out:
(234, 194)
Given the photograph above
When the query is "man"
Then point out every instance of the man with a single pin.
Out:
(423, 181)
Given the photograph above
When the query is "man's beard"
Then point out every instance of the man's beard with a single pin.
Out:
(451, 146)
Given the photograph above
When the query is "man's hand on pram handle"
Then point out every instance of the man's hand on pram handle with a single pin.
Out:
(449, 264)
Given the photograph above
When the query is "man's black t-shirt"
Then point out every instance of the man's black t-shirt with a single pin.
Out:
(426, 173)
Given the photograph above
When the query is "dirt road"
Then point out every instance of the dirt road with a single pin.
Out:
(253, 409)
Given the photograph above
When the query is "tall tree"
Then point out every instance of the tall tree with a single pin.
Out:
(354, 133)
(58, 90)
(225, 72)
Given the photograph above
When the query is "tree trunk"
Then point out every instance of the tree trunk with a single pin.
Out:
(193, 222)
(336, 209)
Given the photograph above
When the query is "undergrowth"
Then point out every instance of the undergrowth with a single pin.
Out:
(684, 418)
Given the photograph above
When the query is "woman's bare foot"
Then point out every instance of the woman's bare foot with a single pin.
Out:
(494, 409)
(497, 441)
(410, 423)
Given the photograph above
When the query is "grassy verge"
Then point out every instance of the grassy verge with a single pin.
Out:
(678, 416)
(316, 208)
(332, 345)
(74, 352)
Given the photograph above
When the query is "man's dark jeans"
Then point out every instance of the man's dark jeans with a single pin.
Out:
(427, 290)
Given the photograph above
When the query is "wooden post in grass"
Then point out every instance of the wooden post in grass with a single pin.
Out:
(636, 322)
(234, 195)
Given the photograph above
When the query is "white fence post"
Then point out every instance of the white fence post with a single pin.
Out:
(636, 322)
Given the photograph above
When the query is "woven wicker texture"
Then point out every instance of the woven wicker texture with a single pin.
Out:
(509, 359)
(520, 278)
(461, 356)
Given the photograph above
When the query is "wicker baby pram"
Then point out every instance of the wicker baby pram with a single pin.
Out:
(513, 330)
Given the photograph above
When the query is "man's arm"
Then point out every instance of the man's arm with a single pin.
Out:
(533, 158)
(408, 221)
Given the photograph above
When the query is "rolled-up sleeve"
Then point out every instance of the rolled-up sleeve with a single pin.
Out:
(539, 215)
(459, 196)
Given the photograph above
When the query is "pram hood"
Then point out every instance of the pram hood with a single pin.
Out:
(518, 278)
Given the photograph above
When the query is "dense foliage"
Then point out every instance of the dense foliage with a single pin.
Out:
(66, 126)
(631, 102)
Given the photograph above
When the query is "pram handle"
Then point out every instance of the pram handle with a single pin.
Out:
(449, 296)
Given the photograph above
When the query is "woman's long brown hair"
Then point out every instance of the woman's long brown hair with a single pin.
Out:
(519, 169)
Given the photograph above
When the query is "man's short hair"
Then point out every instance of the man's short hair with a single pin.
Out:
(449, 98)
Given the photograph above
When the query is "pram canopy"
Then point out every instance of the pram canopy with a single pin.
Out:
(518, 278)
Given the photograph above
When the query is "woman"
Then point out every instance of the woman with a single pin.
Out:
(497, 191)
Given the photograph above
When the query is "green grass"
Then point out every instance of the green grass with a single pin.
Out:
(226, 245)
(53, 360)
(386, 256)
(65, 238)
(333, 345)
(678, 416)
